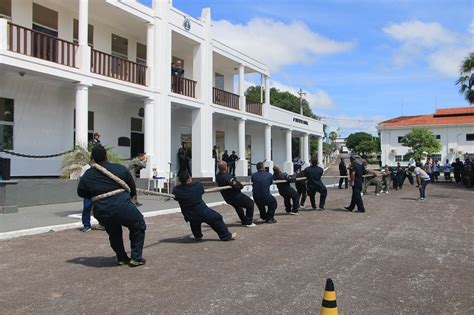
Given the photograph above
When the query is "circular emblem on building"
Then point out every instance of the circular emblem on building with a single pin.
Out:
(187, 24)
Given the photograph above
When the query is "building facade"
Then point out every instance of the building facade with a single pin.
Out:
(71, 68)
(453, 127)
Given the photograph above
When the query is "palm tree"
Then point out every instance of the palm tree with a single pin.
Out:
(466, 80)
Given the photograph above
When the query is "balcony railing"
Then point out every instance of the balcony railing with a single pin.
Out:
(183, 86)
(117, 68)
(227, 99)
(36, 44)
(254, 107)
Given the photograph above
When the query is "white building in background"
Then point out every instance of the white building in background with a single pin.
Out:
(341, 145)
(71, 68)
(453, 127)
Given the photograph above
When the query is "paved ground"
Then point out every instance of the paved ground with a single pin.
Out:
(402, 256)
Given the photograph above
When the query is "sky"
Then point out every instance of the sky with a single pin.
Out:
(359, 61)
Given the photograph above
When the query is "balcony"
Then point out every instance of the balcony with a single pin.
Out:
(117, 68)
(253, 107)
(183, 86)
(223, 98)
(36, 44)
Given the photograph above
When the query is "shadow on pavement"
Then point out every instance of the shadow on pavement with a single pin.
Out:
(184, 240)
(96, 262)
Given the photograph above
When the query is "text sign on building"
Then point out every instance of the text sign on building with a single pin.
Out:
(300, 121)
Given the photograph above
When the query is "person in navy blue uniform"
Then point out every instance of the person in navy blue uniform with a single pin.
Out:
(301, 187)
(343, 172)
(289, 194)
(357, 172)
(196, 212)
(234, 196)
(115, 211)
(261, 181)
(233, 158)
(314, 184)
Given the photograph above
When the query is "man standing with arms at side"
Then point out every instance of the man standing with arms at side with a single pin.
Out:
(314, 184)
(233, 158)
(343, 172)
(261, 193)
(234, 196)
(134, 167)
(113, 207)
(356, 182)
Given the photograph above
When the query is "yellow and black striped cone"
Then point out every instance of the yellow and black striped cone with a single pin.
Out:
(329, 306)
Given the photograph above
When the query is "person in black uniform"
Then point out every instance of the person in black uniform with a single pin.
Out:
(343, 172)
(225, 157)
(313, 176)
(301, 187)
(290, 195)
(261, 193)
(234, 196)
(357, 172)
(196, 212)
(117, 210)
(184, 156)
(233, 158)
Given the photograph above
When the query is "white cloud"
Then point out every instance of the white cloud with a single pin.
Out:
(471, 27)
(317, 99)
(278, 44)
(440, 48)
(420, 34)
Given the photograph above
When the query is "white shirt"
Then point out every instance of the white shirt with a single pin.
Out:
(421, 173)
(447, 167)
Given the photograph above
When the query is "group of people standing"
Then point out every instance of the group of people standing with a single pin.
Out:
(231, 159)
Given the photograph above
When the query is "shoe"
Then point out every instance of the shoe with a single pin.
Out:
(270, 221)
(99, 227)
(314, 208)
(234, 236)
(137, 262)
(348, 209)
(377, 194)
(294, 213)
(138, 204)
(250, 225)
(123, 262)
(195, 238)
(359, 211)
(321, 209)
(86, 229)
(361, 194)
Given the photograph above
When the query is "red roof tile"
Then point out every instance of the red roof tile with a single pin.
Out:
(446, 116)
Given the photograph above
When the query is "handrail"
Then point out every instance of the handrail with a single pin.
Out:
(40, 45)
(224, 98)
(253, 107)
(118, 68)
(183, 86)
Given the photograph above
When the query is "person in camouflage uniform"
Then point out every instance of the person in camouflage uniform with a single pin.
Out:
(134, 167)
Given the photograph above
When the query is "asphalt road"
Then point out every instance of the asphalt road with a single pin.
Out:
(401, 257)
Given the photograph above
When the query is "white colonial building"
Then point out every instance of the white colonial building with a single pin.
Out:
(453, 127)
(71, 68)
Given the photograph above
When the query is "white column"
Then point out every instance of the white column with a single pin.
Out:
(3, 34)
(306, 157)
(320, 152)
(150, 54)
(288, 160)
(242, 100)
(266, 104)
(241, 168)
(268, 148)
(82, 108)
(202, 161)
(301, 146)
(149, 135)
(84, 50)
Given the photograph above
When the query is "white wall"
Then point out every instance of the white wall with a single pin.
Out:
(43, 120)
(453, 141)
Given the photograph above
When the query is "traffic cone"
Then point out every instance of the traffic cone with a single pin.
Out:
(329, 305)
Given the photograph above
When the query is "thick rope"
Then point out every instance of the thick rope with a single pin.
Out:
(109, 174)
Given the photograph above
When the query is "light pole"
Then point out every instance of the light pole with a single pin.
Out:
(301, 94)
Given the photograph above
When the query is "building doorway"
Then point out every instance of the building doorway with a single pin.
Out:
(137, 138)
